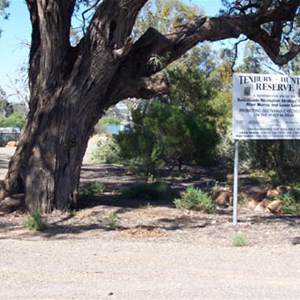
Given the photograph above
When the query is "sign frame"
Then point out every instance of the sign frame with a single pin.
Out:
(265, 107)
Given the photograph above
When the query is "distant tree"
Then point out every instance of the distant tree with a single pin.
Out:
(254, 60)
(4, 4)
(182, 128)
(162, 135)
(6, 108)
(13, 120)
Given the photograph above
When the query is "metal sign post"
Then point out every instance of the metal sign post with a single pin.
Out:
(235, 181)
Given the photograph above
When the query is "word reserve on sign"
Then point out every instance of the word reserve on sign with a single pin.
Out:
(266, 107)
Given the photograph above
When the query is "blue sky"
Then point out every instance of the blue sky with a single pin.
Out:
(17, 29)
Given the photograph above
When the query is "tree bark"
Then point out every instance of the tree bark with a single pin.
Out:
(71, 87)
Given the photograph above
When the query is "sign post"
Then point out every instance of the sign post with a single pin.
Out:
(235, 181)
(265, 107)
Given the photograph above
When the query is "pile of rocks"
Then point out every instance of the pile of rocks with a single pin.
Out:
(267, 200)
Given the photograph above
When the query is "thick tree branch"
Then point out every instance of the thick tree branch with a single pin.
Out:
(145, 87)
(171, 46)
(220, 28)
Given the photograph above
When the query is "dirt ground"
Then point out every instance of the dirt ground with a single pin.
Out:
(113, 249)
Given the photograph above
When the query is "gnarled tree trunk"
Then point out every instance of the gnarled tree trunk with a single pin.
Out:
(71, 87)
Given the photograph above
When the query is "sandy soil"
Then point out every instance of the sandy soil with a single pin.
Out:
(150, 251)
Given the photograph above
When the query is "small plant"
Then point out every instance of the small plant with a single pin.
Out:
(194, 198)
(34, 222)
(151, 177)
(243, 201)
(291, 202)
(74, 212)
(274, 177)
(92, 188)
(113, 220)
(239, 241)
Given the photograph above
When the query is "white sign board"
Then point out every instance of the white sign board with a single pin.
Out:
(266, 106)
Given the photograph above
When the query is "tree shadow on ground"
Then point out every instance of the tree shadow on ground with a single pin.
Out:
(289, 220)
(93, 215)
(120, 202)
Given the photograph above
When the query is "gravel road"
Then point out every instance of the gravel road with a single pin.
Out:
(188, 263)
(97, 268)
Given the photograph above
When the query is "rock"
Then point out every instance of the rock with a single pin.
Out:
(275, 207)
(283, 189)
(12, 203)
(11, 144)
(252, 203)
(272, 193)
(260, 196)
(261, 206)
(223, 198)
(296, 240)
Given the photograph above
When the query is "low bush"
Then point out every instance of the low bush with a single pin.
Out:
(110, 121)
(291, 201)
(107, 152)
(92, 188)
(239, 241)
(113, 221)
(34, 222)
(194, 198)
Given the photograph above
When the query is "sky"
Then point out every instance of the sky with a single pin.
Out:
(17, 29)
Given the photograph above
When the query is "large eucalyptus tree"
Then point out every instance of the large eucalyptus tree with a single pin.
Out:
(72, 86)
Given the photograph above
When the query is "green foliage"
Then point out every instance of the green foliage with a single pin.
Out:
(253, 59)
(34, 222)
(110, 121)
(149, 191)
(107, 152)
(164, 135)
(190, 90)
(92, 188)
(194, 198)
(14, 120)
(180, 129)
(164, 15)
(281, 158)
(4, 4)
(239, 241)
(157, 62)
(291, 201)
(113, 221)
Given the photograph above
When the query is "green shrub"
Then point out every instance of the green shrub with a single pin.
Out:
(239, 241)
(291, 201)
(149, 191)
(163, 135)
(280, 159)
(92, 188)
(194, 198)
(111, 121)
(14, 120)
(34, 222)
(107, 152)
(113, 221)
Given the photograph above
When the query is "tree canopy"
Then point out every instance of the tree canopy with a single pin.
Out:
(4, 4)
